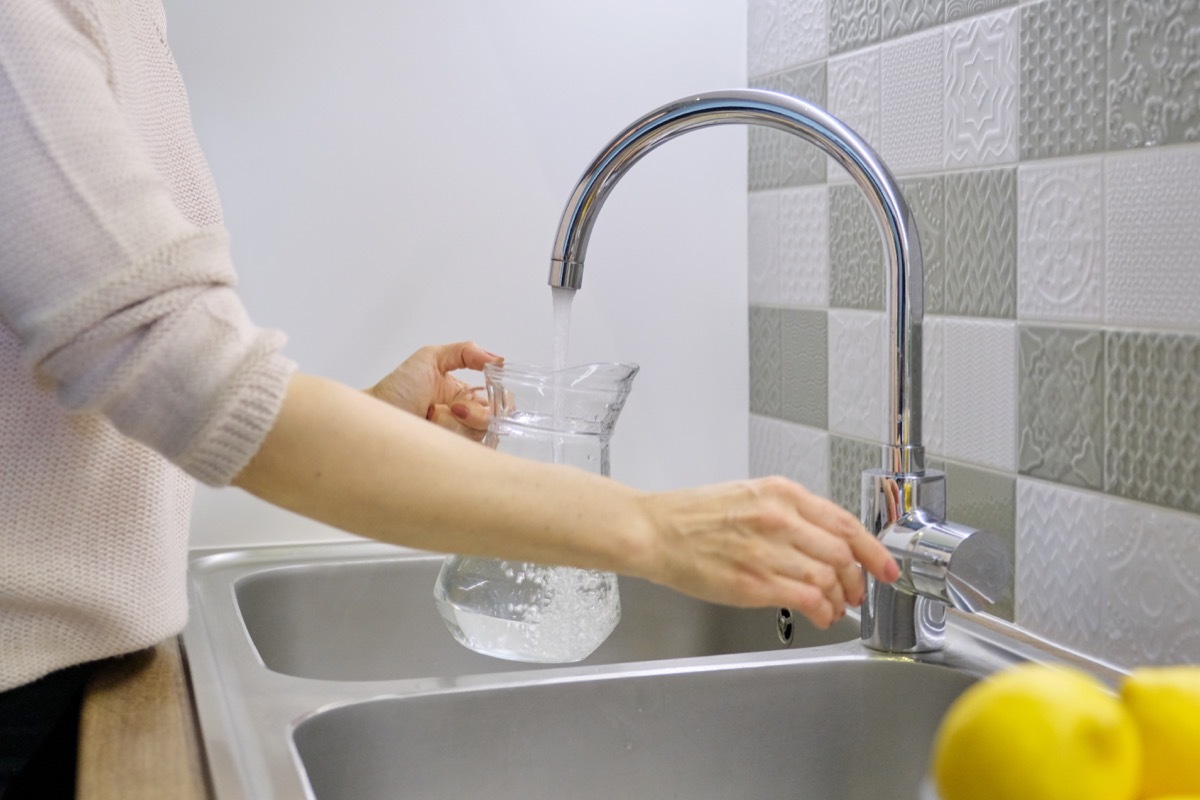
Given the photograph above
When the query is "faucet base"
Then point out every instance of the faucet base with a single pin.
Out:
(886, 606)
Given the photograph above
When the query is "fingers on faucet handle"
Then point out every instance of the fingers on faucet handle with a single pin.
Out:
(867, 550)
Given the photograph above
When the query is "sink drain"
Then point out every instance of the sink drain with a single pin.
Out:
(783, 625)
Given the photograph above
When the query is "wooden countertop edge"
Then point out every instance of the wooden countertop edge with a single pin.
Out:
(138, 736)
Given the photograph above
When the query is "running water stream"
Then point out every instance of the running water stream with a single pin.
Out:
(562, 325)
(562, 299)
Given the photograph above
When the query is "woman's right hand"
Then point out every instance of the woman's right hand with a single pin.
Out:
(764, 542)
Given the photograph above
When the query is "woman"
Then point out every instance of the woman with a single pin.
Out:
(129, 368)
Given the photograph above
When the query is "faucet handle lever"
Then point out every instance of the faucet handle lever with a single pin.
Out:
(967, 568)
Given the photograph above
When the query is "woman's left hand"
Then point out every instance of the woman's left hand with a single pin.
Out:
(423, 385)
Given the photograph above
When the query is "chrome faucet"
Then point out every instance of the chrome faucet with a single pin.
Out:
(903, 503)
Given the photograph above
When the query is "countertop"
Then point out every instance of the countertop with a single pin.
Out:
(137, 733)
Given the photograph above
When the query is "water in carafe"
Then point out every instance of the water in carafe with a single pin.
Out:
(533, 612)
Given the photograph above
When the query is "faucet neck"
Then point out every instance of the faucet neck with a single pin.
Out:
(902, 250)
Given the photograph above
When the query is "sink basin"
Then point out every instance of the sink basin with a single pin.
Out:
(368, 620)
(325, 672)
(807, 731)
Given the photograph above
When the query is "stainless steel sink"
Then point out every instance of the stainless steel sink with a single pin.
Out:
(325, 672)
(808, 731)
(374, 619)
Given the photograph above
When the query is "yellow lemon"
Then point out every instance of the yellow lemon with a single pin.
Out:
(1165, 704)
(1037, 733)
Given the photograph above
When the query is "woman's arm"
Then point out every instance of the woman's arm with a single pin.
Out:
(344, 458)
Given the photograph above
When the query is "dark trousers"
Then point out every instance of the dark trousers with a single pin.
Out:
(39, 732)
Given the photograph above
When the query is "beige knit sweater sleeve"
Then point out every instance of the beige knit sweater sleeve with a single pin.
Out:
(115, 272)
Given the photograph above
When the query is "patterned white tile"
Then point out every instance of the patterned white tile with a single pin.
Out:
(1060, 249)
(765, 446)
(784, 33)
(1060, 564)
(804, 247)
(763, 267)
(980, 360)
(933, 385)
(1151, 606)
(853, 97)
(793, 451)
(912, 103)
(1152, 238)
(982, 71)
(857, 377)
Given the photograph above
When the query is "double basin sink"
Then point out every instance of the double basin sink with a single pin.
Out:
(326, 672)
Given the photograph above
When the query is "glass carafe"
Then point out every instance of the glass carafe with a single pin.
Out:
(535, 612)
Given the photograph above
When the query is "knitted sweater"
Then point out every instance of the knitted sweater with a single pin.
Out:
(128, 366)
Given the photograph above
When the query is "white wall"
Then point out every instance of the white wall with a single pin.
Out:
(393, 172)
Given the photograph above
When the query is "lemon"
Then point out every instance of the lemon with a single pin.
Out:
(1037, 733)
(1165, 705)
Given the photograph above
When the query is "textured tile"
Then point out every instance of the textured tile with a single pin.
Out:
(926, 198)
(1063, 62)
(766, 361)
(912, 103)
(986, 500)
(778, 159)
(1060, 564)
(765, 446)
(1152, 598)
(1061, 405)
(856, 271)
(793, 451)
(783, 33)
(933, 385)
(1153, 72)
(959, 9)
(1060, 253)
(854, 98)
(982, 76)
(853, 24)
(857, 373)
(981, 243)
(981, 392)
(1152, 450)
(902, 17)
(1152, 238)
(804, 246)
(763, 269)
(847, 460)
(805, 366)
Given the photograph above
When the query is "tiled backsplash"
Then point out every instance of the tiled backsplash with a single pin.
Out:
(1050, 152)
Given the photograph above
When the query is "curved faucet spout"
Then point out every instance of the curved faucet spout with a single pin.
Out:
(905, 273)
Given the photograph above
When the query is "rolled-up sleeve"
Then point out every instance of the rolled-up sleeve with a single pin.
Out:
(124, 306)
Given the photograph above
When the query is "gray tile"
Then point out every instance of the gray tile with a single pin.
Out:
(987, 500)
(1153, 73)
(926, 198)
(1063, 61)
(1060, 415)
(778, 159)
(902, 17)
(766, 360)
(960, 9)
(853, 24)
(1152, 445)
(805, 368)
(981, 243)
(855, 251)
(847, 460)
